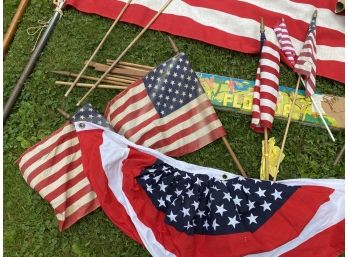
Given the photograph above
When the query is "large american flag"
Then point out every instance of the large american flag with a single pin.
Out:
(53, 168)
(234, 24)
(266, 87)
(167, 110)
(306, 61)
(284, 40)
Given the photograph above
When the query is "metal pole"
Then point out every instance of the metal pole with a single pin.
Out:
(33, 60)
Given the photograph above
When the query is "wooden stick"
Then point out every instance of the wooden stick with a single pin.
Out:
(339, 156)
(124, 52)
(98, 47)
(11, 31)
(110, 80)
(65, 83)
(266, 153)
(135, 65)
(131, 78)
(172, 43)
(64, 113)
(121, 71)
(287, 127)
(234, 157)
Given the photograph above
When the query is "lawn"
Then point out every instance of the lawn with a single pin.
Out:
(30, 228)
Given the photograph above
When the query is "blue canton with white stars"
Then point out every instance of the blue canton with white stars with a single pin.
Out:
(88, 114)
(200, 204)
(172, 84)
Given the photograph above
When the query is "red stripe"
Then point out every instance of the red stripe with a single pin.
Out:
(62, 139)
(141, 125)
(186, 27)
(328, 243)
(199, 143)
(192, 129)
(168, 125)
(78, 214)
(50, 162)
(327, 4)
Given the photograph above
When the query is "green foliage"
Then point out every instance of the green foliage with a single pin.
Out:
(30, 228)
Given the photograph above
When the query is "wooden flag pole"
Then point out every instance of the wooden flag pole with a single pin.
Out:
(125, 51)
(339, 156)
(287, 127)
(234, 157)
(266, 153)
(87, 85)
(98, 48)
(64, 113)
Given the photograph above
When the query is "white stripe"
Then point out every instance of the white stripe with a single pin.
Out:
(180, 126)
(55, 168)
(269, 63)
(328, 214)
(120, 101)
(60, 181)
(69, 192)
(55, 151)
(221, 21)
(140, 104)
(271, 51)
(265, 102)
(190, 138)
(112, 157)
(87, 198)
(134, 122)
(269, 76)
(191, 105)
(49, 142)
(255, 121)
(270, 90)
(267, 117)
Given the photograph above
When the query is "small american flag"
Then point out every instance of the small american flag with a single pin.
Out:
(284, 40)
(266, 87)
(53, 168)
(306, 62)
(167, 110)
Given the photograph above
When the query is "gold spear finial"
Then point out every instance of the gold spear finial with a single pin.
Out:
(315, 14)
(262, 25)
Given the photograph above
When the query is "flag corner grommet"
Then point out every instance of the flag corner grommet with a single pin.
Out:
(82, 125)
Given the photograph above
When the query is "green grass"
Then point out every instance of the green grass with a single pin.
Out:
(30, 228)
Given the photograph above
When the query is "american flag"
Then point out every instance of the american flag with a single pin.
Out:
(306, 61)
(266, 87)
(53, 168)
(284, 40)
(167, 110)
(234, 24)
(177, 209)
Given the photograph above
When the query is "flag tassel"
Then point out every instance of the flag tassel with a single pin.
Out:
(234, 157)
(124, 51)
(98, 48)
(287, 126)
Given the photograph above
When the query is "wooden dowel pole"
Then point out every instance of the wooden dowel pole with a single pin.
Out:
(287, 127)
(11, 31)
(266, 153)
(125, 51)
(234, 157)
(64, 113)
(98, 47)
(339, 156)
(122, 71)
(135, 65)
(172, 43)
(87, 85)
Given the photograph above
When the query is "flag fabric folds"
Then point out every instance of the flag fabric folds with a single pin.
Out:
(178, 209)
(167, 110)
(266, 87)
(233, 24)
(53, 168)
(285, 43)
(306, 61)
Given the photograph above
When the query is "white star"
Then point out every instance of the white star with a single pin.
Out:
(187, 186)
(146, 177)
(215, 224)
(82, 117)
(168, 197)
(172, 217)
(90, 116)
(175, 75)
(260, 192)
(190, 193)
(211, 197)
(181, 101)
(237, 186)
(163, 186)
(237, 200)
(176, 92)
(220, 210)
(188, 78)
(165, 81)
(206, 191)
(185, 211)
(240, 178)
(178, 192)
(277, 194)
(152, 78)
(252, 219)
(233, 221)
(227, 196)
(190, 95)
(177, 67)
(214, 187)
(161, 202)
(266, 206)
(246, 190)
(186, 176)
(206, 225)
(149, 188)
(176, 173)
(198, 181)
(188, 226)
(251, 205)
(157, 178)
(172, 82)
(200, 213)
(195, 204)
